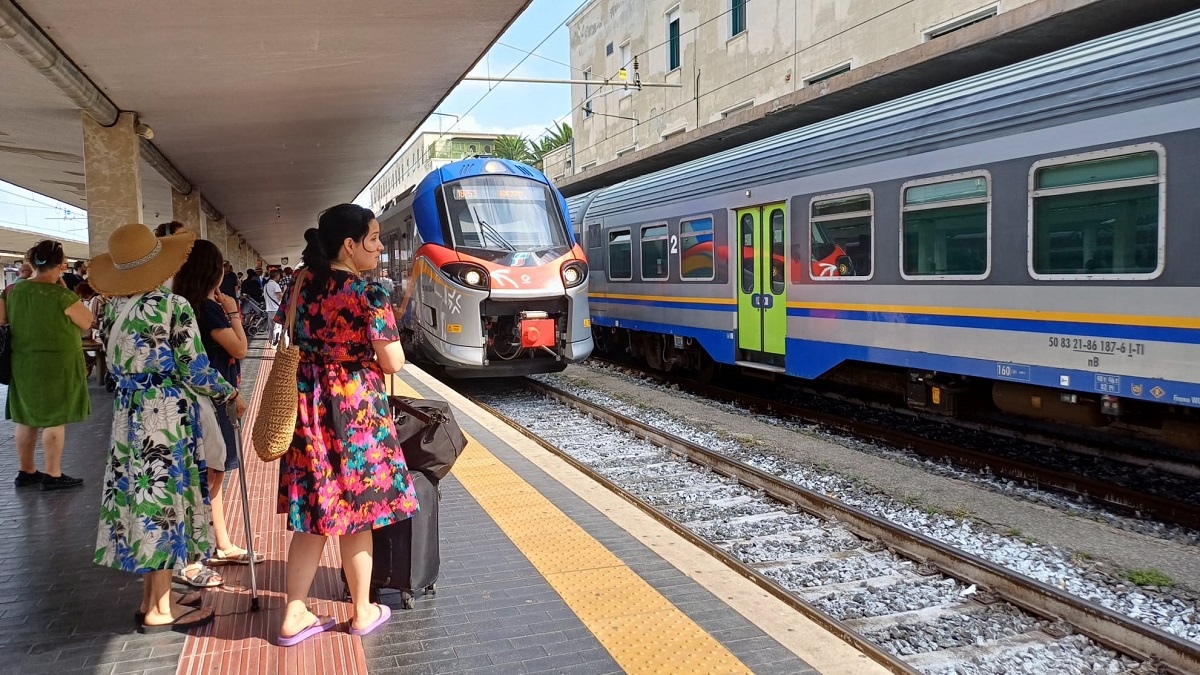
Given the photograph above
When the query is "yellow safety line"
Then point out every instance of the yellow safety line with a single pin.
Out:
(640, 628)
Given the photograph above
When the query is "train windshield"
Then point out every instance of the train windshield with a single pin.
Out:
(503, 214)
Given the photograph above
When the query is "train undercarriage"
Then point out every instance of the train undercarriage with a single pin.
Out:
(943, 394)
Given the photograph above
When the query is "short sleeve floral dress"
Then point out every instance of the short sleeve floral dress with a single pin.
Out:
(154, 509)
(345, 472)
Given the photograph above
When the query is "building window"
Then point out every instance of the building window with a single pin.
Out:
(620, 256)
(673, 132)
(673, 39)
(625, 151)
(654, 252)
(961, 23)
(587, 93)
(737, 17)
(696, 250)
(945, 228)
(832, 72)
(626, 61)
(841, 229)
(744, 105)
(1099, 213)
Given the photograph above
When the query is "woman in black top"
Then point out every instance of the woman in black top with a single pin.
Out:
(225, 342)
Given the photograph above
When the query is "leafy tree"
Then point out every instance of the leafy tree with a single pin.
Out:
(515, 148)
(554, 139)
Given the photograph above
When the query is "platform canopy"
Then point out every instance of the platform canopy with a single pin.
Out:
(274, 110)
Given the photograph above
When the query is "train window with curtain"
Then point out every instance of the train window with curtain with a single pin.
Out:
(654, 252)
(841, 234)
(620, 256)
(696, 249)
(945, 227)
(1099, 214)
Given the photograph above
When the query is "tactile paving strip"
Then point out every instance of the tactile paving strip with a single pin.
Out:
(640, 628)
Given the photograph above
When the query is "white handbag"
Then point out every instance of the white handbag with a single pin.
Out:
(212, 441)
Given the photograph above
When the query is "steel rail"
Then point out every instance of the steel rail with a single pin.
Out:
(1172, 653)
(1114, 496)
(829, 623)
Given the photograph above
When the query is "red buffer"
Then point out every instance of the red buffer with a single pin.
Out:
(537, 333)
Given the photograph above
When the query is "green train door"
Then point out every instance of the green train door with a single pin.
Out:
(762, 301)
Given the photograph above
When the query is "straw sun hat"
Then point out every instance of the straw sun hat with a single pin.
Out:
(137, 261)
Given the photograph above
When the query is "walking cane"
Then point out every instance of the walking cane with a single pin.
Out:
(231, 409)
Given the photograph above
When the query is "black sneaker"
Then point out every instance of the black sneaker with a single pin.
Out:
(27, 479)
(61, 482)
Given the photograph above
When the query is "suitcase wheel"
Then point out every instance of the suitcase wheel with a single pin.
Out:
(432, 589)
(406, 600)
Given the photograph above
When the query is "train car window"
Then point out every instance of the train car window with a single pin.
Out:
(696, 249)
(1100, 214)
(654, 252)
(620, 256)
(946, 227)
(749, 261)
(778, 252)
(841, 234)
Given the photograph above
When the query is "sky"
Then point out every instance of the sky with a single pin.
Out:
(515, 108)
(505, 108)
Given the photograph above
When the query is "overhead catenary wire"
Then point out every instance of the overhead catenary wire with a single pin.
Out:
(737, 80)
(442, 134)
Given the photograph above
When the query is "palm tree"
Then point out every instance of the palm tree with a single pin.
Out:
(515, 148)
(554, 139)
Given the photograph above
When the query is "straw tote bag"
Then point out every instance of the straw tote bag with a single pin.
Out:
(276, 421)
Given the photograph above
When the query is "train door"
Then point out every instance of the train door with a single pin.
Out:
(762, 301)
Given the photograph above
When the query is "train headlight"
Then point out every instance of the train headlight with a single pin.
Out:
(467, 274)
(574, 273)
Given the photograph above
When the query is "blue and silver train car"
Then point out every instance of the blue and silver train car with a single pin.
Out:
(490, 280)
(1030, 232)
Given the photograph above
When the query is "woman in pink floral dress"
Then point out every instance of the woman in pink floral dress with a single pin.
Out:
(345, 473)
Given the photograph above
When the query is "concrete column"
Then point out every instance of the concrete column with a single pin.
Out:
(186, 209)
(216, 234)
(236, 254)
(114, 188)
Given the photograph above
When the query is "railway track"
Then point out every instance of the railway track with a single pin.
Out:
(1118, 498)
(912, 603)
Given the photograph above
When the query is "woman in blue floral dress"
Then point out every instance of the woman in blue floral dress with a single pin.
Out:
(154, 512)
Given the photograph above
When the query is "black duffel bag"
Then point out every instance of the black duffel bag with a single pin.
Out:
(428, 433)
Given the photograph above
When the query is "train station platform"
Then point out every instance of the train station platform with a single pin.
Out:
(543, 571)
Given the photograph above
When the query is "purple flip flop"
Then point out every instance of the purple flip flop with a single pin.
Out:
(322, 624)
(385, 613)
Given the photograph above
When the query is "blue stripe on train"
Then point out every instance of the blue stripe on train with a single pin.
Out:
(1102, 330)
(810, 359)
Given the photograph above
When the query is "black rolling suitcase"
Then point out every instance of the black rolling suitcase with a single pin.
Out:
(406, 554)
